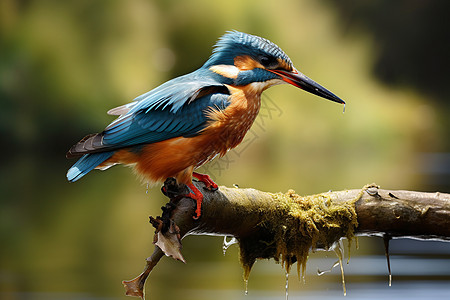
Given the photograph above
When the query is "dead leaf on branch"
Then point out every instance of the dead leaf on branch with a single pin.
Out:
(169, 240)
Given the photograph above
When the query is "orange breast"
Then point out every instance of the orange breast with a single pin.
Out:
(227, 128)
(178, 157)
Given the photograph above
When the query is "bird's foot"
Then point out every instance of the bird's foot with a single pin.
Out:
(175, 191)
(197, 196)
(209, 183)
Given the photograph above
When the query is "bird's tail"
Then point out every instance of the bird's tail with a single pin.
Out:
(86, 164)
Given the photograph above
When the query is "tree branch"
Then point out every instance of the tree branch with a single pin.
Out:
(286, 227)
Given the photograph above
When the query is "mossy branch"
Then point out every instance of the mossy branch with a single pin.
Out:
(286, 227)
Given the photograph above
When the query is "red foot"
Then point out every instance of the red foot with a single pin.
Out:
(196, 195)
(209, 183)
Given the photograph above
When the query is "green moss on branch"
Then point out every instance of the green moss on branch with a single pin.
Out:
(291, 226)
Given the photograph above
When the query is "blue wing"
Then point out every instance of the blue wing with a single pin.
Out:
(150, 125)
(175, 108)
(178, 91)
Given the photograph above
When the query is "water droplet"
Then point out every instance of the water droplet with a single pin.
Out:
(148, 187)
(227, 244)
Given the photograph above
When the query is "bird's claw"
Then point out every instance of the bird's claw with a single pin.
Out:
(197, 215)
(210, 185)
(175, 191)
(211, 188)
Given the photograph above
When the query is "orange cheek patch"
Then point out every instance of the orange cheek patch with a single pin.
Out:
(284, 65)
(245, 62)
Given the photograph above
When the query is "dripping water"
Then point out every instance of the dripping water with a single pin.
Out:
(227, 244)
(246, 287)
(386, 239)
(147, 188)
(338, 250)
(303, 278)
(287, 285)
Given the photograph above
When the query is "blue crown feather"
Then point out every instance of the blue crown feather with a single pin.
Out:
(235, 43)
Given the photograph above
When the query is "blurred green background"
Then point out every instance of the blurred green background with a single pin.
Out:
(63, 64)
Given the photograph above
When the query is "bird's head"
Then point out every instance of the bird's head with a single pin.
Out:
(247, 59)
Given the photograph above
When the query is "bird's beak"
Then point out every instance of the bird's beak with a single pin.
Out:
(301, 81)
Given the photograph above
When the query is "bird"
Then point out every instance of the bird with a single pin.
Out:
(187, 121)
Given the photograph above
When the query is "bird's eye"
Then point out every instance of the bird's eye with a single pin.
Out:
(268, 61)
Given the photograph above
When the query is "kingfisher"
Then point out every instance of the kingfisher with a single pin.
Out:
(186, 122)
